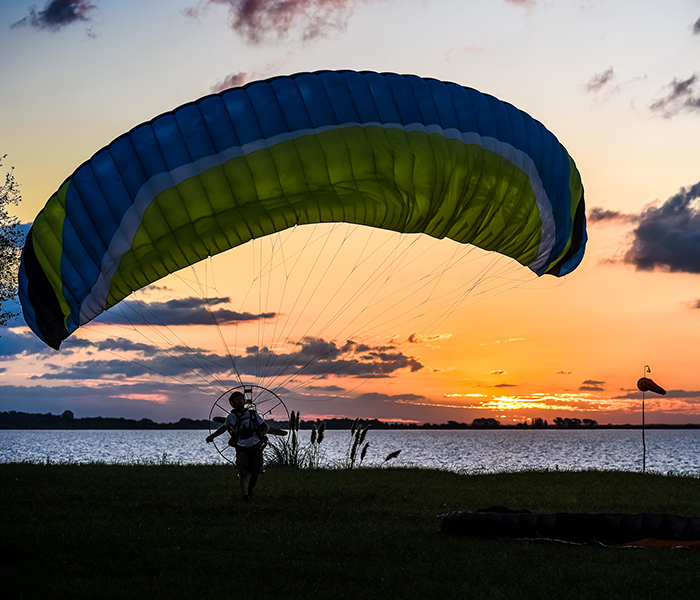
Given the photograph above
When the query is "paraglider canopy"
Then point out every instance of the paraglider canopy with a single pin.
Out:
(396, 152)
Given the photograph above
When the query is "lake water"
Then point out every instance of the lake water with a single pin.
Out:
(461, 451)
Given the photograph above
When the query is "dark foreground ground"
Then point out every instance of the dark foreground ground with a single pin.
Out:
(169, 531)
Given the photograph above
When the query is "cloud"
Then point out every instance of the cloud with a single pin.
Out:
(696, 27)
(183, 311)
(601, 80)
(668, 236)
(311, 357)
(678, 394)
(22, 343)
(498, 372)
(231, 81)
(58, 14)
(375, 398)
(240, 78)
(259, 21)
(122, 369)
(592, 385)
(598, 215)
(137, 359)
(325, 389)
(508, 341)
(563, 373)
(683, 95)
(416, 338)
(319, 358)
(123, 345)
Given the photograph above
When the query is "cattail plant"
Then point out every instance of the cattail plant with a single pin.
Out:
(357, 438)
(364, 451)
(313, 455)
(288, 452)
(363, 433)
(294, 428)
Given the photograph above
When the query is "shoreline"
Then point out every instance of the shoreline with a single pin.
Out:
(20, 421)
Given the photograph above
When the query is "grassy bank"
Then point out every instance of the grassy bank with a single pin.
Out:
(117, 531)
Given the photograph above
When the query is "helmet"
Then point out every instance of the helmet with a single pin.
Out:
(236, 395)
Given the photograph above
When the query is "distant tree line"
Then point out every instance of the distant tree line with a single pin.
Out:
(21, 420)
(560, 422)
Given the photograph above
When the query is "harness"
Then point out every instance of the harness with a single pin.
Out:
(253, 428)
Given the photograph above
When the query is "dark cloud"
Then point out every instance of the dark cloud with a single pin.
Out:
(183, 311)
(137, 359)
(124, 369)
(14, 344)
(679, 394)
(319, 358)
(58, 14)
(259, 21)
(310, 357)
(375, 397)
(668, 237)
(696, 27)
(683, 95)
(598, 214)
(124, 345)
(326, 389)
(591, 388)
(600, 81)
(592, 385)
(22, 343)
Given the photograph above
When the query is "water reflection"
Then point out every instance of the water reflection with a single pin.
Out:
(462, 451)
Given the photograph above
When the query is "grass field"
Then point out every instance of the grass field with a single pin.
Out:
(171, 531)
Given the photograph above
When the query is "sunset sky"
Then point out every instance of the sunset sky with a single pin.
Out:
(617, 82)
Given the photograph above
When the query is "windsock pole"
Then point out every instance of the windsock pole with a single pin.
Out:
(644, 443)
(645, 385)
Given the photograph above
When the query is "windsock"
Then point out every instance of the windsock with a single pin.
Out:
(647, 385)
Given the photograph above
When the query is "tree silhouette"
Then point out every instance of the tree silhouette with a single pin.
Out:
(10, 239)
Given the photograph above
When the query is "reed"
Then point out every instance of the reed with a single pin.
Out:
(289, 452)
(357, 439)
